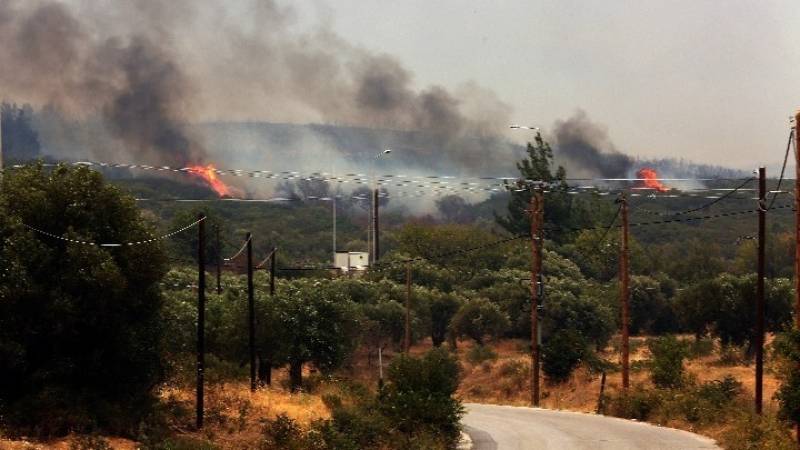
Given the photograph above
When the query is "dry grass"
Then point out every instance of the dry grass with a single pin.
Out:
(234, 415)
(496, 382)
(62, 444)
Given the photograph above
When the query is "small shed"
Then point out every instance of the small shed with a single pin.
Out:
(351, 260)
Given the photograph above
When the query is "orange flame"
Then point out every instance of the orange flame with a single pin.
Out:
(649, 179)
(209, 175)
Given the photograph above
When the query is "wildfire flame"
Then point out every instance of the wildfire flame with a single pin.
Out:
(649, 179)
(209, 175)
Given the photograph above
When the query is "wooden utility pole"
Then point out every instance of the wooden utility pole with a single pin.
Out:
(201, 315)
(251, 312)
(797, 234)
(624, 292)
(219, 261)
(797, 223)
(407, 337)
(1, 147)
(265, 364)
(762, 219)
(272, 271)
(376, 241)
(536, 213)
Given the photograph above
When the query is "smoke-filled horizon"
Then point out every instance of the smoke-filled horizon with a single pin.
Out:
(132, 82)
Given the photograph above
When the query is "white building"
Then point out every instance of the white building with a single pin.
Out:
(351, 261)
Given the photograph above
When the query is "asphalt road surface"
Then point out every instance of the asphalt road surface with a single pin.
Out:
(493, 427)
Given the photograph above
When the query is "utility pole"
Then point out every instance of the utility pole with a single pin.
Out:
(201, 315)
(333, 207)
(797, 234)
(251, 313)
(762, 219)
(797, 225)
(264, 364)
(536, 212)
(272, 271)
(1, 146)
(624, 292)
(219, 261)
(375, 230)
(407, 337)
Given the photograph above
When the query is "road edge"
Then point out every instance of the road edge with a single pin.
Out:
(708, 439)
(465, 441)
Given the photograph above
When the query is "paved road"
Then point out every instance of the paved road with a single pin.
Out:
(494, 427)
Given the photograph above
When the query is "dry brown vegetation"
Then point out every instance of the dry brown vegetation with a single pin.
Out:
(234, 415)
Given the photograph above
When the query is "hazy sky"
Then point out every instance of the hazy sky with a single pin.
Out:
(712, 81)
(709, 81)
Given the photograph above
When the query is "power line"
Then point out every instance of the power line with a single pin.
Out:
(605, 233)
(707, 205)
(123, 244)
(240, 250)
(783, 169)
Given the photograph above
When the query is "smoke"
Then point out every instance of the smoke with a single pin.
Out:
(146, 70)
(134, 85)
(585, 149)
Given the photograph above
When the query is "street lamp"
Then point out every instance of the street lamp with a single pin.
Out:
(523, 127)
(372, 237)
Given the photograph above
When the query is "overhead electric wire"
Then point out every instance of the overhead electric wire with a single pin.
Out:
(240, 250)
(354, 177)
(605, 233)
(783, 169)
(261, 264)
(702, 207)
(121, 244)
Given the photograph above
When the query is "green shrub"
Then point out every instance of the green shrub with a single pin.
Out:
(477, 319)
(720, 393)
(480, 353)
(80, 326)
(90, 442)
(563, 353)
(181, 443)
(753, 432)
(785, 348)
(666, 367)
(513, 367)
(636, 404)
(419, 395)
(282, 433)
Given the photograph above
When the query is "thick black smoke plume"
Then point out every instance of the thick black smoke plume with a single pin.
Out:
(585, 147)
(51, 57)
(148, 69)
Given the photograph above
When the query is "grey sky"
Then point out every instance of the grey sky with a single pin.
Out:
(711, 81)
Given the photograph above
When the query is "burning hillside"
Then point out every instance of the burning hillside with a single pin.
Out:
(648, 179)
(209, 175)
